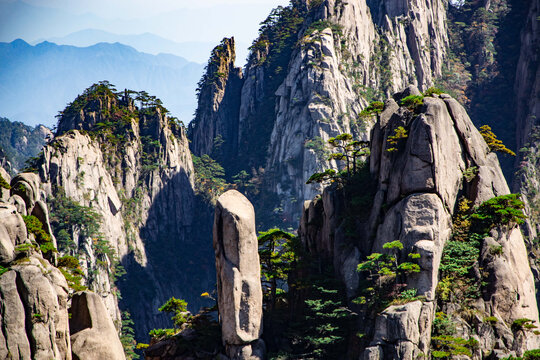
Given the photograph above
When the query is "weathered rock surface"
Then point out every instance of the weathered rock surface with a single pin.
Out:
(238, 276)
(352, 51)
(93, 334)
(417, 191)
(138, 178)
(34, 294)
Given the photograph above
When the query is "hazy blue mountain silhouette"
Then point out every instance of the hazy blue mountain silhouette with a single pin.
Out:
(38, 81)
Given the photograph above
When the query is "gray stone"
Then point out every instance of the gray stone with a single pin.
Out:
(93, 335)
(238, 273)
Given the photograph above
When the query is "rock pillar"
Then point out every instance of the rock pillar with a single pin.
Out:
(238, 277)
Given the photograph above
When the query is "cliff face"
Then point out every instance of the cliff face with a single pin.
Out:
(416, 200)
(311, 71)
(39, 319)
(527, 89)
(129, 170)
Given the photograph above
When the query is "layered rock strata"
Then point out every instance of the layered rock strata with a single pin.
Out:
(238, 277)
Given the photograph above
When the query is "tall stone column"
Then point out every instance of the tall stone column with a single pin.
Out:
(238, 277)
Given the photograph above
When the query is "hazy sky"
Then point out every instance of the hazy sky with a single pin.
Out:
(177, 20)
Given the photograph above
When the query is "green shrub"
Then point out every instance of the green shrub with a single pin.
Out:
(178, 308)
(493, 143)
(399, 133)
(446, 346)
(374, 108)
(500, 210)
(4, 184)
(522, 324)
(3, 270)
(433, 91)
(491, 320)
(412, 101)
(532, 355)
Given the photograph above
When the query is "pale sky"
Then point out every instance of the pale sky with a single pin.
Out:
(177, 20)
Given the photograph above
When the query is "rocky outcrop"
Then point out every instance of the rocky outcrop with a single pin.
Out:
(131, 167)
(34, 294)
(238, 277)
(217, 118)
(418, 184)
(93, 334)
(295, 97)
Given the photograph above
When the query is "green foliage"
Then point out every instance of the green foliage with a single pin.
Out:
(326, 176)
(412, 102)
(3, 183)
(433, 91)
(443, 324)
(491, 320)
(34, 226)
(73, 280)
(400, 133)
(162, 333)
(3, 270)
(493, 143)
(327, 321)
(319, 146)
(346, 149)
(383, 271)
(470, 173)
(278, 253)
(374, 108)
(500, 210)
(178, 308)
(70, 268)
(127, 336)
(446, 347)
(209, 178)
(522, 324)
(68, 216)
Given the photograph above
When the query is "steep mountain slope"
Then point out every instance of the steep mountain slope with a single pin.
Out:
(436, 190)
(30, 72)
(125, 175)
(21, 142)
(313, 68)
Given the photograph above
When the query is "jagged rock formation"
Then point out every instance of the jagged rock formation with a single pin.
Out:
(33, 292)
(311, 71)
(132, 168)
(417, 189)
(238, 277)
(220, 118)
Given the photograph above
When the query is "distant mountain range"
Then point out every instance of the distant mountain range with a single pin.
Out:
(36, 82)
(147, 43)
(19, 142)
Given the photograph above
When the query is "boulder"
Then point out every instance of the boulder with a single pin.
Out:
(238, 276)
(12, 232)
(93, 335)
